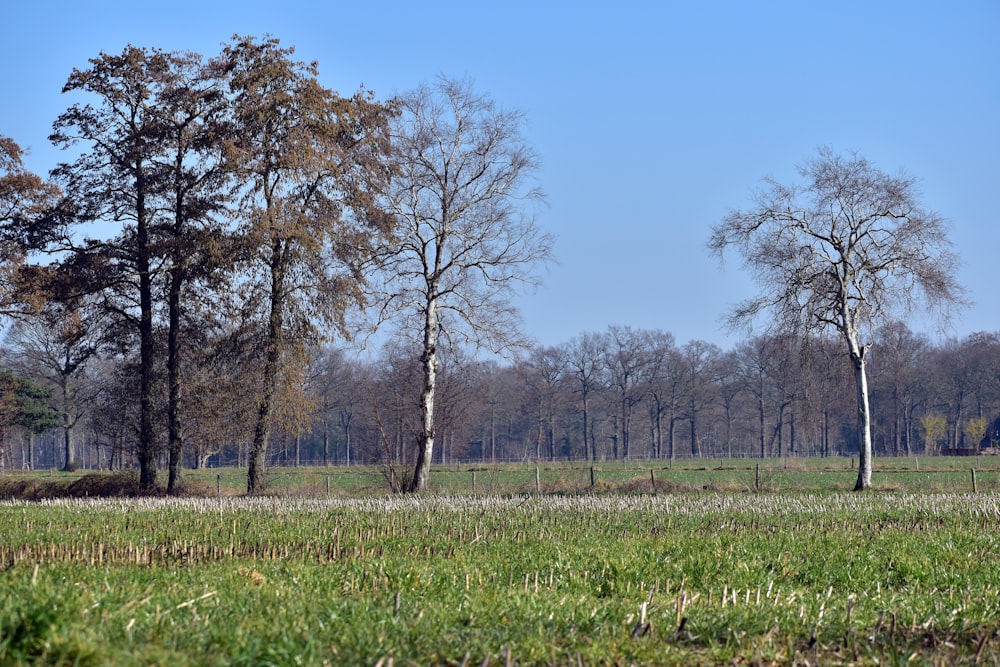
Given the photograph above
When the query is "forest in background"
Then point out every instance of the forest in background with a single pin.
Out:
(636, 394)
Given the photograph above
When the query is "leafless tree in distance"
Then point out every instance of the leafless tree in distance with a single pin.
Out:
(850, 249)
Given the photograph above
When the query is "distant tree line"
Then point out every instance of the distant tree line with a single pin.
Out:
(616, 394)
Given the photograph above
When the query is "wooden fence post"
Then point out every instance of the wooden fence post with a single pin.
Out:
(538, 481)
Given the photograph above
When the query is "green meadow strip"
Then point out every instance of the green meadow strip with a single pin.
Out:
(550, 580)
(930, 474)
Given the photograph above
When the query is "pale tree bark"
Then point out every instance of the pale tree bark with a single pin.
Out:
(864, 422)
(850, 251)
(429, 367)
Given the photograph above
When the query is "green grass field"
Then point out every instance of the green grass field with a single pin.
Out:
(926, 474)
(811, 475)
(703, 577)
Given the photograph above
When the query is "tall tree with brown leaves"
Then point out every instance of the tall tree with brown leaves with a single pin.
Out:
(25, 201)
(191, 229)
(118, 179)
(309, 162)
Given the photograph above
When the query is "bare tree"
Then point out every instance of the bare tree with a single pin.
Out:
(754, 369)
(545, 379)
(725, 376)
(667, 379)
(627, 362)
(54, 349)
(583, 357)
(336, 382)
(465, 241)
(967, 371)
(850, 249)
(901, 365)
(700, 359)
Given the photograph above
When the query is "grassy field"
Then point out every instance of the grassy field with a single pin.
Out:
(706, 577)
(813, 475)
(926, 474)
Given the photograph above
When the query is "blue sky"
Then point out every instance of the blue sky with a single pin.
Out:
(651, 119)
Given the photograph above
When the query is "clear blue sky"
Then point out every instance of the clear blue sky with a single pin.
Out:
(652, 119)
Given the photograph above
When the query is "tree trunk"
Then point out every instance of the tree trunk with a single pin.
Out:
(670, 436)
(658, 433)
(67, 425)
(174, 442)
(907, 429)
(147, 346)
(729, 431)
(695, 448)
(760, 424)
(864, 420)
(591, 437)
(493, 432)
(626, 429)
(538, 443)
(779, 429)
(614, 436)
(425, 449)
(326, 441)
(68, 448)
(257, 458)
(826, 432)
(262, 428)
(347, 439)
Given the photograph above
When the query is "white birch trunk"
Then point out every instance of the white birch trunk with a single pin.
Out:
(864, 418)
(425, 449)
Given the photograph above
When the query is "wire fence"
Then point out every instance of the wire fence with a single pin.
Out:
(835, 474)
(930, 474)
